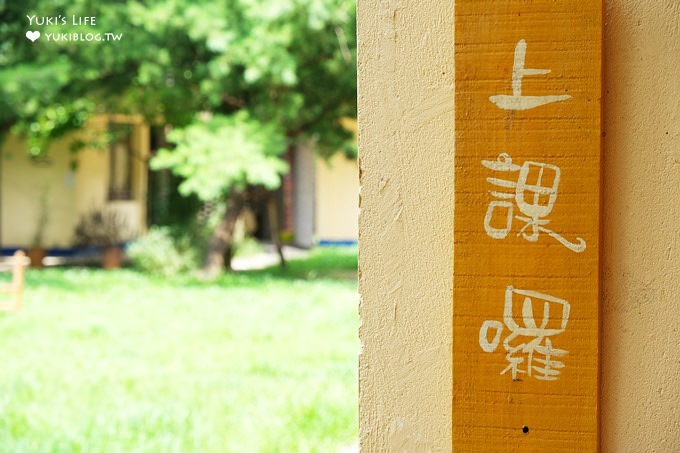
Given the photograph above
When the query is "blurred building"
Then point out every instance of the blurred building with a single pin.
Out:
(42, 199)
(325, 199)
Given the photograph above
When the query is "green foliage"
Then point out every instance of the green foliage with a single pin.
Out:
(223, 153)
(50, 88)
(290, 64)
(166, 205)
(159, 252)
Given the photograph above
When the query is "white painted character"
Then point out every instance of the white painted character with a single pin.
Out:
(534, 193)
(529, 348)
(517, 101)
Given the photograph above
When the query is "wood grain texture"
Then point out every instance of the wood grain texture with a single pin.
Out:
(526, 225)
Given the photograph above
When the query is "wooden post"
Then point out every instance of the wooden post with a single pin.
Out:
(526, 225)
(16, 287)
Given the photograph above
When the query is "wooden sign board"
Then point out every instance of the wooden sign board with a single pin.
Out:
(526, 225)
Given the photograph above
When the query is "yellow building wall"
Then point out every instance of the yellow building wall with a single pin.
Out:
(337, 194)
(23, 184)
(406, 249)
(70, 193)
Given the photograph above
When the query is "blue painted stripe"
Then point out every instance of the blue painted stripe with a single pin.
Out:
(59, 252)
(337, 243)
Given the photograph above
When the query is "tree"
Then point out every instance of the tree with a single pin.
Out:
(239, 81)
(220, 158)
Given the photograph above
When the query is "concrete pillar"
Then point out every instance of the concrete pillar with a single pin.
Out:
(406, 165)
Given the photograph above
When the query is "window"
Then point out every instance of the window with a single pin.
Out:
(120, 161)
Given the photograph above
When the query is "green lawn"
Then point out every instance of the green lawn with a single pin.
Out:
(116, 361)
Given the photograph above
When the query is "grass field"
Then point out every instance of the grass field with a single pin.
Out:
(115, 361)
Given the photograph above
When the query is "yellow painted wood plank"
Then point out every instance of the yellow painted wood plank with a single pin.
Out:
(526, 225)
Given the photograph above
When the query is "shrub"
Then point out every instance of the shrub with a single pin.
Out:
(160, 252)
(102, 227)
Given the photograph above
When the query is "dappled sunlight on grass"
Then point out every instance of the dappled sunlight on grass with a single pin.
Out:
(117, 361)
(331, 263)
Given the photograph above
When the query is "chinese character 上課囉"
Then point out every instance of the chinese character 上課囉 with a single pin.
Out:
(517, 101)
(534, 192)
(532, 318)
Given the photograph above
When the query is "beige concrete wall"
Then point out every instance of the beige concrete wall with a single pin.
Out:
(336, 205)
(406, 167)
(69, 193)
(406, 151)
(641, 269)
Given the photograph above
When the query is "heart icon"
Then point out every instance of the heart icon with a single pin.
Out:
(33, 35)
